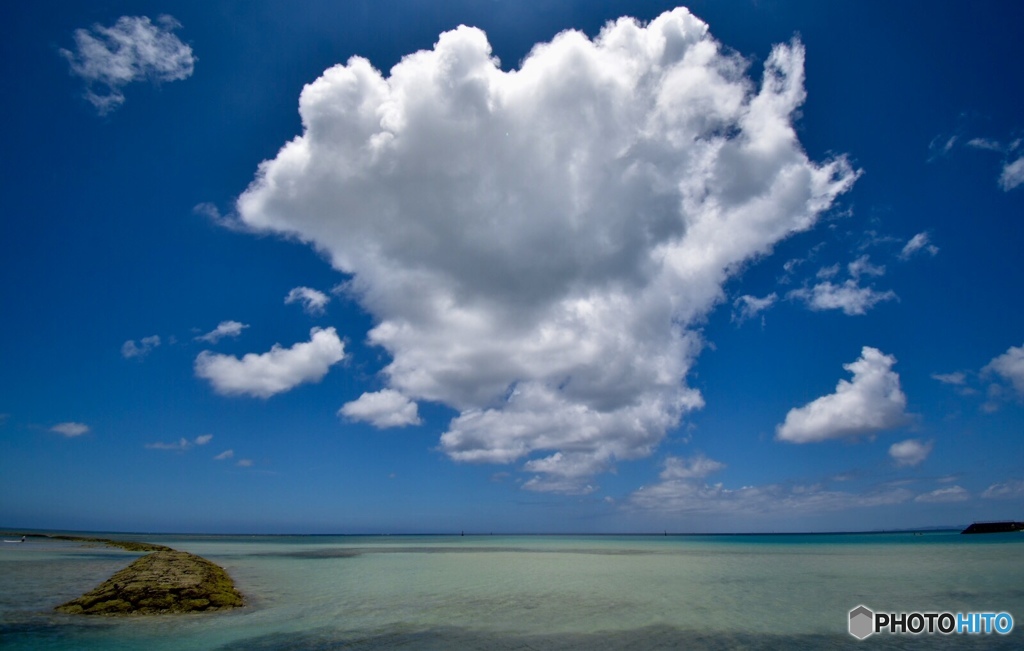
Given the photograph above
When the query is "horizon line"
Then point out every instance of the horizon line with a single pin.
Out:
(39, 532)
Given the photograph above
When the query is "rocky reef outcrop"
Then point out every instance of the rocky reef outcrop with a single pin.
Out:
(165, 581)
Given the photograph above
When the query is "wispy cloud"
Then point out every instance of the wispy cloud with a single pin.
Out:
(276, 371)
(862, 267)
(920, 242)
(945, 495)
(313, 300)
(986, 144)
(223, 329)
(871, 402)
(244, 463)
(1012, 174)
(688, 492)
(226, 454)
(940, 146)
(747, 306)
(213, 213)
(555, 307)
(849, 297)
(957, 378)
(181, 444)
(1007, 490)
(70, 429)
(132, 49)
(132, 350)
(1009, 367)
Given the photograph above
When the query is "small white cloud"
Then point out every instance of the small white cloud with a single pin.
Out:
(132, 350)
(746, 306)
(70, 429)
(132, 49)
(910, 452)
(244, 463)
(1010, 367)
(849, 297)
(276, 371)
(181, 444)
(223, 329)
(985, 143)
(313, 301)
(950, 494)
(956, 379)
(1007, 490)
(827, 272)
(226, 454)
(862, 266)
(696, 467)
(871, 402)
(917, 243)
(387, 408)
(1013, 174)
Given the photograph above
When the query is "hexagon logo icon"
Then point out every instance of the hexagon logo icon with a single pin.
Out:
(862, 622)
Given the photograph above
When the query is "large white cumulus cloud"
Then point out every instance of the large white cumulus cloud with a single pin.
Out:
(536, 244)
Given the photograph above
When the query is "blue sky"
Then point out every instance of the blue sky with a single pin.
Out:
(353, 268)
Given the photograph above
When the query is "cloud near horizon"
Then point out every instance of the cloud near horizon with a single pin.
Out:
(871, 402)
(537, 246)
(276, 371)
(1007, 490)
(132, 49)
(683, 489)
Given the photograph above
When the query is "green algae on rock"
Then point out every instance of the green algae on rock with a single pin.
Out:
(161, 582)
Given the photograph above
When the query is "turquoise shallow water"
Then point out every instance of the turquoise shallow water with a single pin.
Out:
(532, 592)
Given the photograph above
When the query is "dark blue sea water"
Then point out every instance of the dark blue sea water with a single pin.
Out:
(532, 592)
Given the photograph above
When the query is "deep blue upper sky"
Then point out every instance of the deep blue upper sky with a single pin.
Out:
(613, 283)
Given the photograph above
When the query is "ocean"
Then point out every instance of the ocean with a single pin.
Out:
(532, 592)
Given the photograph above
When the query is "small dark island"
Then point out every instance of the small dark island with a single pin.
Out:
(1006, 526)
